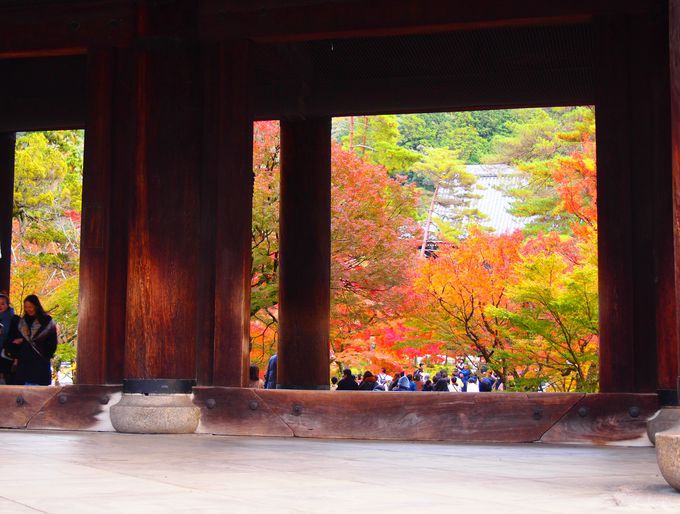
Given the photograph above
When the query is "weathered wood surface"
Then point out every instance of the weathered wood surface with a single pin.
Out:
(304, 254)
(95, 229)
(78, 407)
(615, 216)
(237, 411)
(230, 145)
(18, 404)
(164, 214)
(392, 416)
(606, 418)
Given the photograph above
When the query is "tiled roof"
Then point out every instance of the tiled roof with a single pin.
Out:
(493, 202)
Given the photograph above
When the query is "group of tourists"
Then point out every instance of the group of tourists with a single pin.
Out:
(27, 343)
(462, 380)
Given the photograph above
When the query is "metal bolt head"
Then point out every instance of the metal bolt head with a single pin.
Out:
(62, 398)
(634, 411)
(538, 414)
(210, 403)
(297, 410)
(20, 401)
(253, 405)
(583, 412)
(104, 400)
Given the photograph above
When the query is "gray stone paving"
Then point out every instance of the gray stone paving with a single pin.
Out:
(69, 472)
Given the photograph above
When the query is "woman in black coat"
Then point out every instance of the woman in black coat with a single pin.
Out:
(34, 342)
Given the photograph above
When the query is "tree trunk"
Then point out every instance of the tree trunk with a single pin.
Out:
(426, 232)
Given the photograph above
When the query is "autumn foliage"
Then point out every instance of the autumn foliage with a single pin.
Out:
(524, 304)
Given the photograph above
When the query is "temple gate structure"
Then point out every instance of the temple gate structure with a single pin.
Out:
(168, 91)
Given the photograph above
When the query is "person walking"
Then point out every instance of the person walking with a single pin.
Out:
(270, 375)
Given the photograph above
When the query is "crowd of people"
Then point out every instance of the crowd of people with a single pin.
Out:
(27, 343)
(462, 379)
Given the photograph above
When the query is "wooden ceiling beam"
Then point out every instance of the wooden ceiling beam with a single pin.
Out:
(296, 20)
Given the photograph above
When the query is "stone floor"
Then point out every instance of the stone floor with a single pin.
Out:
(90, 473)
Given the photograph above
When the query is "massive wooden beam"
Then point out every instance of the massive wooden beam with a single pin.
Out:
(615, 222)
(264, 20)
(165, 205)
(634, 204)
(43, 94)
(103, 248)
(37, 29)
(304, 276)
(7, 151)
(227, 214)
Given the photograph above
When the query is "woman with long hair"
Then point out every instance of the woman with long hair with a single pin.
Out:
(35, 342)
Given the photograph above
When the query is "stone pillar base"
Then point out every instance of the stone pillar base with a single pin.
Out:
(155, 414)
(668, 455)
(666, 418)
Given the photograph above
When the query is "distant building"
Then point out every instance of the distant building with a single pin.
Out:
(491, 198)
(493, 180)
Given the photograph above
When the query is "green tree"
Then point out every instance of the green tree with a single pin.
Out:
(451, 189)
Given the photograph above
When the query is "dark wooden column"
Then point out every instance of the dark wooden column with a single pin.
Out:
(227, 217)
(163, 256)
(634, 202)
(7, 149)
(673, 353)
(304, 277)
(615, 221)
(103, 242)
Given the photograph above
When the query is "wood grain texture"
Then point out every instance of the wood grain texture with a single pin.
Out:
(393, 416)
(615, 217)
(304, 254)
(94, 236)
(232, 139)
(164, 212)
(80, 407)
(237, 411)
(605, 418)
(18, 404)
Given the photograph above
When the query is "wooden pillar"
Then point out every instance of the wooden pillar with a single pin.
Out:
(227, 215)
(7, 150)
(103, 239)
(637, 289)
(615, 221)
(164, 215)
(673, 354)
(304, 277)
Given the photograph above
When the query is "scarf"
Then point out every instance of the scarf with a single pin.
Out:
(34, 332)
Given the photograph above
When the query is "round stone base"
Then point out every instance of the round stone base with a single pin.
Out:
(666, 418)
(668, 455)
(155, 414)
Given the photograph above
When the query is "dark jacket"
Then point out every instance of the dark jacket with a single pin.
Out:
(39, 342)
(270, 375)
(348, 384)
(9, 351)
(368, 384)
